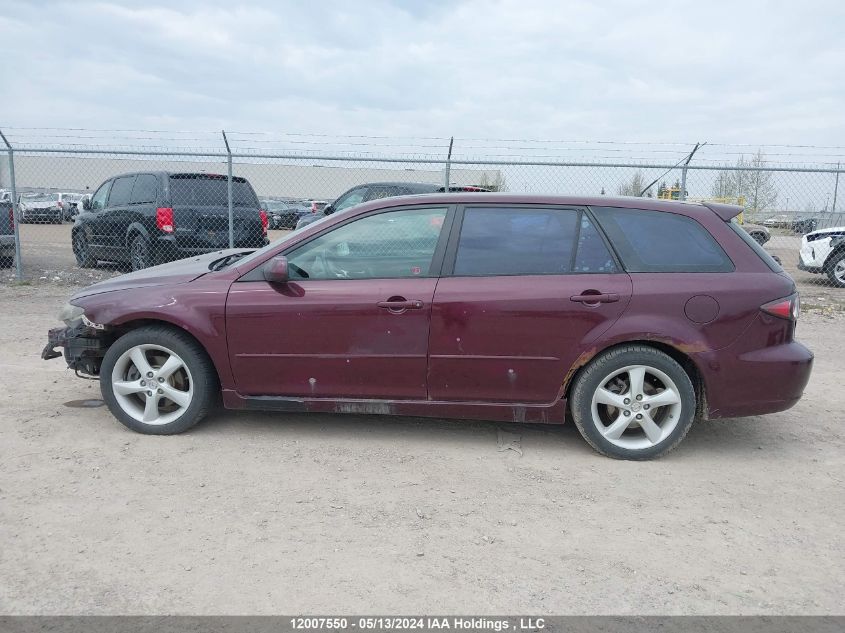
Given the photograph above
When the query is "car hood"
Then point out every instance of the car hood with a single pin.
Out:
(835, 230)
(178, 272)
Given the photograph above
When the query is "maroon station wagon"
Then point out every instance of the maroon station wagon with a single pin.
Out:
(633, 316)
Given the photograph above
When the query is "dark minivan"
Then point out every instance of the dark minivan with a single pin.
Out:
(631, 317)
(148, 218)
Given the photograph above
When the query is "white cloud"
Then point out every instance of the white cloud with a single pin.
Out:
(752, 72)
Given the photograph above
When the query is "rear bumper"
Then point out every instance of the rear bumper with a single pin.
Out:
(7, 245)
(168, 248)
(756, 382)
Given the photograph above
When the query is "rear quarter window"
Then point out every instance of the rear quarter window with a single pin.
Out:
(755, 246)
(659, 241)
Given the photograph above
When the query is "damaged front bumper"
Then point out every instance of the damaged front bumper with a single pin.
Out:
(83, 347)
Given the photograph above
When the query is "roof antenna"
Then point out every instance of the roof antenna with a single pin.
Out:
(686, 158)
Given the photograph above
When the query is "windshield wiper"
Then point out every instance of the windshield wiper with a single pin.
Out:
(220, 264)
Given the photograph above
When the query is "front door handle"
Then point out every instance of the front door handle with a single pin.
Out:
(610, 297)
(400, 304)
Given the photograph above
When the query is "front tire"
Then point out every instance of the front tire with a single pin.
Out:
(835, 269)
(633, 402)
(158, 381)
(82, 251)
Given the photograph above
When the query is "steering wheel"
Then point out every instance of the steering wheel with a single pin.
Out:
(334, 266)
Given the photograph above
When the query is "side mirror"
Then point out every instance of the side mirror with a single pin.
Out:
(276, 270)
(86, 203)
(328, 209)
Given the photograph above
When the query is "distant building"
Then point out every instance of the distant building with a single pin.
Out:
(300, 178)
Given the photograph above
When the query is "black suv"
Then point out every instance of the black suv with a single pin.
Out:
(149, 218)
(376, 191)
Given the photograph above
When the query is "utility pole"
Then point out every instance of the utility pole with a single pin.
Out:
(229, 193)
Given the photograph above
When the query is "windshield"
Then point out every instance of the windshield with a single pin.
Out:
(210, 190)
(34, 197)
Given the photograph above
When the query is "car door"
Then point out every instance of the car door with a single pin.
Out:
(93, 223)
(524, 290)
(114, 218)
(353, 320)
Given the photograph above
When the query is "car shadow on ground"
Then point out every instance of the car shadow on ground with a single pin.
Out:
(725, 436)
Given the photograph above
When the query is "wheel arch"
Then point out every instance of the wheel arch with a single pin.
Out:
(683, 359)
(836, 249)
(136, 228)
(121, 329)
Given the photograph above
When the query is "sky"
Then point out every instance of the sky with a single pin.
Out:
(739, 72)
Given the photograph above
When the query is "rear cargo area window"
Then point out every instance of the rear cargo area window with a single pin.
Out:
(658, 241)
(210, 191)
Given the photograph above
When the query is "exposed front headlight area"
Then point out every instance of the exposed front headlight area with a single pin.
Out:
(71, 315)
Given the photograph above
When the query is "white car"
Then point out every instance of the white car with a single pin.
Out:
(823, 251)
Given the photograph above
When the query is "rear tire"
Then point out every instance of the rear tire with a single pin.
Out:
(139, 253)
(835, 269)
(633, 402)
(142, 368)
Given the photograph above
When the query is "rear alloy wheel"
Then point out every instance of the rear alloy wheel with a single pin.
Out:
(139, 253)
(633, 402)
(82, 251)
(835, 268)
(157, 381)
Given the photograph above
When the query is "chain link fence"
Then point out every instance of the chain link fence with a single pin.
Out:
(80, 214)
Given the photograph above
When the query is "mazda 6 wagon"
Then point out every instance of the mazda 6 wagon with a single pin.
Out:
(631, 317)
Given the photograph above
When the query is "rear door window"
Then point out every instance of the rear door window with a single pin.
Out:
(377, 193)
(144, 190)
(529, 241)
(200, 190)
(121, 190)
(658, 241)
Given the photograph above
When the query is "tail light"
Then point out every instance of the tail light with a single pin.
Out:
(12, 215)
(164, 219)
(265, 221)
(60, 204)
(786, 308)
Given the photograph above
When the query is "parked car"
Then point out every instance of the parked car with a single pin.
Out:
(758, 232)
(781, 221)
(823, 252)
(805, 225)
(7, 235)
(71, 205)
(41, 207)
(143, 219)
(284, 214)
(489, 306)
(376, 191)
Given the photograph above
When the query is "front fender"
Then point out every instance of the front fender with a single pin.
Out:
(198, 307)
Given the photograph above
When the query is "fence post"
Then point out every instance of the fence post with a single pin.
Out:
(835, 189)
(15, 210)
(448, 166)
(229, 192)
(682, 194)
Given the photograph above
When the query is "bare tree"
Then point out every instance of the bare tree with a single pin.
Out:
(748, 182)
(634, 187)
(759, 191)
(496, 183)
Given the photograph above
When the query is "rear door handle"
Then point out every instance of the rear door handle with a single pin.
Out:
(400, 305)
(610, 297)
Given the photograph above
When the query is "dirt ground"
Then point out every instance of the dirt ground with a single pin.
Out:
(275, 513)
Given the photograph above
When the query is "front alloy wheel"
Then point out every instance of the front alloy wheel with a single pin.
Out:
(158, 380)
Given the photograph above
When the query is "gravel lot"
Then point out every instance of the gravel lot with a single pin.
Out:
(269, 513)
